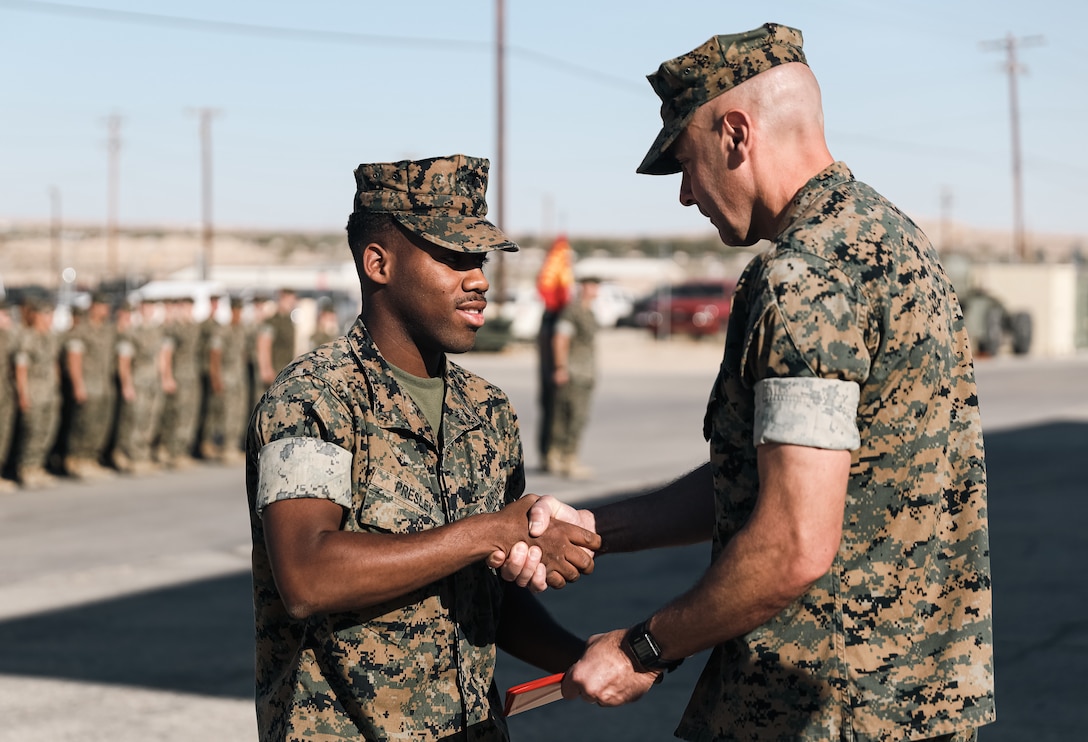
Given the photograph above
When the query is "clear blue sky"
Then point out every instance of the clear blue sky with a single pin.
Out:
(913, 104)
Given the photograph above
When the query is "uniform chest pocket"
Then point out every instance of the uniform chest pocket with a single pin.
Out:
(392, 505)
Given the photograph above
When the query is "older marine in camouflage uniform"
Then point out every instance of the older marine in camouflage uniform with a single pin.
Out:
(37, 386)
(849, 593)
(380, 476)
(902, 620)
(89, 365)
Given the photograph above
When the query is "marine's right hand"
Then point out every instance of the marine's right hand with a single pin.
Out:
(523, 563)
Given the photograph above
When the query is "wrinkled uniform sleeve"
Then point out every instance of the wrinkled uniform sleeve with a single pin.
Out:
(806, 354)
(302, 427)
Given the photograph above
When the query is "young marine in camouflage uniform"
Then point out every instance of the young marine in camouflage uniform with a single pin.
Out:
(380, 477)
(849, 593)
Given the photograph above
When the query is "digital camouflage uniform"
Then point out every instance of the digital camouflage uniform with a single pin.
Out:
(91, 421)
(234, 371)
(37, 427)
(210, 422)
(894, 642)
(572, 400)
(137, 421)
(8, 403)
(846, 335)
(419, 667)
(181, 410)
(282, 330)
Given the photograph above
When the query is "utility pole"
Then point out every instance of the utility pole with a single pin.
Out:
(207, 233)
(113, 149)
(500, 147)
(1009, 45)
(54, 234)
(945, 242)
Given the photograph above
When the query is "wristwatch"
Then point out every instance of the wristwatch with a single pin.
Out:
(645, 653)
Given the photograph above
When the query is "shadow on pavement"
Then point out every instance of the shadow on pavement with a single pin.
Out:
(192, 638)
(196, 638)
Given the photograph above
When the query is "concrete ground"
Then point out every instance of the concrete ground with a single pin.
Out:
(125, 606)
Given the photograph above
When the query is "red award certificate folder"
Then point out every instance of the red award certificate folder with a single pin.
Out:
(533, 694)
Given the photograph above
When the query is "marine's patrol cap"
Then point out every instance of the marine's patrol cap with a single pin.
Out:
(722, 63)
(441, 199)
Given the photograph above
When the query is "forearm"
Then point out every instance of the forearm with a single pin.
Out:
(319, 568)
(527, 631)
(344, 570)
(789, 541)
(745, 587)
(680, 513)
(560, 349)
(22, 386)
(75, 374)
(215, 371)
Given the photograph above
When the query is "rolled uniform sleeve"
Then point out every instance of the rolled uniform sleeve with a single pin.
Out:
(807, 354)
(291, 468)
(306, 436)
(820, 413)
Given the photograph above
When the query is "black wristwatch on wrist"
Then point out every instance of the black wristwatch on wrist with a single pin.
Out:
(645, 653)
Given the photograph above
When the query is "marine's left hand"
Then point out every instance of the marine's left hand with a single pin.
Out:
(605, 675)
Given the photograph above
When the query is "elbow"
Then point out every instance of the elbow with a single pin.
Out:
(299, 607)
(805, 566)
(299, 610)
(300, 602)
(801, 557)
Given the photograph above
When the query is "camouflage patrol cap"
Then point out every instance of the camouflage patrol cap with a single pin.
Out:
(441, 199)
(722, 63)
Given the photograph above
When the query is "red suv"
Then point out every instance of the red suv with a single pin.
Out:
(692, 308)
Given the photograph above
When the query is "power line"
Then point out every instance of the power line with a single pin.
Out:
(314, 35)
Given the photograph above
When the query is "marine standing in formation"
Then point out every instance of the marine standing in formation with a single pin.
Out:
(574, 355)
(37, 389)
(91, 400)
(89, 360)
(8, 407)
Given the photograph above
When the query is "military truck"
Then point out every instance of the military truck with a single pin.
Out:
(991, 326)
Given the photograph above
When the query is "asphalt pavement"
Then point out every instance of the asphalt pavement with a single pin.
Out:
(125, 608)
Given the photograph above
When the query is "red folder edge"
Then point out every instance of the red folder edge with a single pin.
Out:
(533, 694)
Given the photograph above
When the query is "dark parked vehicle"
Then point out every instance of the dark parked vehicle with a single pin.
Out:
(694, 308)
(990, 325)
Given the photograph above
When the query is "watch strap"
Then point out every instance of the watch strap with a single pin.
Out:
(642, 649)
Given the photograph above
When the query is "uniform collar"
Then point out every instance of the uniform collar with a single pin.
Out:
(830, 177)
(393, 408)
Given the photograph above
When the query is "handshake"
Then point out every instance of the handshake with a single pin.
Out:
(552, 543)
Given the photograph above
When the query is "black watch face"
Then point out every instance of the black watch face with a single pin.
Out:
(644, 650)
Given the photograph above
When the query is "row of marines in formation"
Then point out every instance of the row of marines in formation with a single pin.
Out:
(134, 388)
